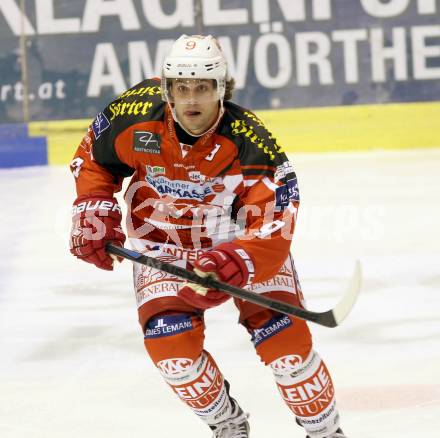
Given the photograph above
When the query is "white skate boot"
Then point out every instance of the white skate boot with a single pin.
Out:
(236, 426)
(337, 434)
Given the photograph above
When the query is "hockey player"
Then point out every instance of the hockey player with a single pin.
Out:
(210, 190)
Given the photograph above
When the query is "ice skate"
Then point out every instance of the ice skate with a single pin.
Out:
(236, 426)
(337, 434)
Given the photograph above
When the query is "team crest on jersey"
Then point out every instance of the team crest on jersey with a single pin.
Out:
(100, 124)
(147, 142)
(287, 192)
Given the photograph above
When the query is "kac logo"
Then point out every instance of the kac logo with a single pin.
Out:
(286, 363)
(174, 366)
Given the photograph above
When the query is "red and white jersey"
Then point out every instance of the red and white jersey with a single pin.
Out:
(233, 184)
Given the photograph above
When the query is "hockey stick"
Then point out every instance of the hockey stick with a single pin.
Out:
(330, 318)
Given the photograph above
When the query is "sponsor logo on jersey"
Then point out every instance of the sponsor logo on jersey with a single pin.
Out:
(155, 170)
(184, 166)
(292, 189)
(271, 328)
(146, 292)
(135, 108)
(100, 124)
(167, 325)
(283, 170)
(184, 189)
(217, 184)
(282, 281)
(176, 252)
(196, 176)
(147, 142)
(287, 192)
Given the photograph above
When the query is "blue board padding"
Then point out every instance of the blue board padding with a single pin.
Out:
(18, 149)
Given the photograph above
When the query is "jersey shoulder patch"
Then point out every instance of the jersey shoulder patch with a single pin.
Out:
(141, 103)
(258, 150)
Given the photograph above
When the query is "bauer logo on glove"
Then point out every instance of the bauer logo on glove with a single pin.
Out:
(96, 220)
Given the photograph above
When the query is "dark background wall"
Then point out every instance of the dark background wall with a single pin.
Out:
(283, 53)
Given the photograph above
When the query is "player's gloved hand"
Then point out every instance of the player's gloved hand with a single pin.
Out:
(96, 220)
(227, 262)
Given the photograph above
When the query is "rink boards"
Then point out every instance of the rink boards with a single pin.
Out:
(325, 129)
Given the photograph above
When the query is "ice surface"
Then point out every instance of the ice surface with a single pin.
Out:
(72, 357)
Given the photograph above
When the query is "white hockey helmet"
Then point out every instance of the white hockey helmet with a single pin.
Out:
(195, 57)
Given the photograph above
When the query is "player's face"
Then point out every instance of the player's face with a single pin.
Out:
(196, 103)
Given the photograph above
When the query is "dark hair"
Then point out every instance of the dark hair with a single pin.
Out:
(229, 88)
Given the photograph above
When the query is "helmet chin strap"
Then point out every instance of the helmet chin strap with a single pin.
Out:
(220, 114)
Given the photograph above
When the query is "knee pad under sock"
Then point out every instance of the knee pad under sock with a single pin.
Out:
(202, 387)
(307, 389)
